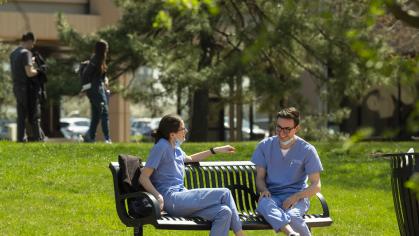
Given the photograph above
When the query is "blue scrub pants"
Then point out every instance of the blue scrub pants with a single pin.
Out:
(271, 210)
(213, 204)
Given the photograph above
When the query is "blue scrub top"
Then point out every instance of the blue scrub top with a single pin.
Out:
(168, 165)
(286, 174)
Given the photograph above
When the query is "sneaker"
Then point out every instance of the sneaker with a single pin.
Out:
(86, 139)
(108, 141)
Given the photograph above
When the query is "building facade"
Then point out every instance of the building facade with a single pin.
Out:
(85, 16)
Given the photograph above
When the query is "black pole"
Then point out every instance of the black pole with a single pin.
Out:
(138, 231)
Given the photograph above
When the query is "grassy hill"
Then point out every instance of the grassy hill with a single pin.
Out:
(66, 189)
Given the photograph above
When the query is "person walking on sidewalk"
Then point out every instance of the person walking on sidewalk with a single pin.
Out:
(97, 92)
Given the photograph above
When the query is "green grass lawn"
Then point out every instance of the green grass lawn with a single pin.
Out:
(66, 189)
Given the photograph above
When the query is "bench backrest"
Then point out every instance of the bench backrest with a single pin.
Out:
(238, 176)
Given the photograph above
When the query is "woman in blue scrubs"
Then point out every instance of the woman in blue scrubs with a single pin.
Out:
(163, 177)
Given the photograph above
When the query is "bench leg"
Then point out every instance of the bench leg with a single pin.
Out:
(138, 231)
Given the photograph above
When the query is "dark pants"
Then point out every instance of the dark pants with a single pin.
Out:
(34, 130)
(28, 109)
(100, 112)
(22, 110)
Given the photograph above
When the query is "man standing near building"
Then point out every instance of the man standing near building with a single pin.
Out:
(284, 163)
(23, 70)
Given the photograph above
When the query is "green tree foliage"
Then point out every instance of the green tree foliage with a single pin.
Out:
(126, 49)
(200, 47)
(337, 42)
(62, 73)
(6, 91)
(62, 79)
(413, 183)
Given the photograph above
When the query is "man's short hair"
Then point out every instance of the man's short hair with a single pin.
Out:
(28, 36)
(289, 113)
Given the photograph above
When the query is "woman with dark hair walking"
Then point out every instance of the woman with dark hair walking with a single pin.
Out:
(96, 92)
(162, 176)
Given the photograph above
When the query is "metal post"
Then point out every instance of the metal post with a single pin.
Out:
(138, 231)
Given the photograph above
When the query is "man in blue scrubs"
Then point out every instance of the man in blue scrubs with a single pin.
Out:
(284, 163)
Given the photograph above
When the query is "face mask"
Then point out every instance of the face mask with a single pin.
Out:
(178, 142)
(285, 143)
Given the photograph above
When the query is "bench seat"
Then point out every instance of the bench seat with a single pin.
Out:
(250, 222)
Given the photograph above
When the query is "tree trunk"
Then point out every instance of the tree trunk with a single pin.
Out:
(231, 109)
(199, 120)
(221, 131)
(251, 120)
(179, 100)
(215, 118)
(50, 118)
(272, 126)
(239, 108)
(200, 110)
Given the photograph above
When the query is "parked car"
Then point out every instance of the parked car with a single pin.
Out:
(74, 127)
(258, 133)
(144, 126)
(4, 130)
(140, 126)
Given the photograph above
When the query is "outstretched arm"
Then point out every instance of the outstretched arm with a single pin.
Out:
(204, 154)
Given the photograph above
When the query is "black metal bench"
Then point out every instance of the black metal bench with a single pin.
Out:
(406, 204)
(238, 176)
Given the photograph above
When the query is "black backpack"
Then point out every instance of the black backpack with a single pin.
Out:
(130, 171)
(85, 79)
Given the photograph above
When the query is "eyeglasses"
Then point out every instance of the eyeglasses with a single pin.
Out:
(183, 129)
(286, 130)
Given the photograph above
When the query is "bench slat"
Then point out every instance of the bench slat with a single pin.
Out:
(219, 175)
(247, 199)
(195, 177)
(224, 172)
(239, 196)
(188, 179)
(250, 222)
(206, 175)
(251, 178)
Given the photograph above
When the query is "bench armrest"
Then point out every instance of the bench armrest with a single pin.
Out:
(151, 199)
(324, 204)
